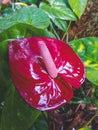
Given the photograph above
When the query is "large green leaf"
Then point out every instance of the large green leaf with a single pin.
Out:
(40, 123)
(22, 30)
(17, 115)
(29, 1)
(78, 6)
(87, 49)
(26, 15)
(58, 10)
(61, 24)
(5, 78)
(51, 2)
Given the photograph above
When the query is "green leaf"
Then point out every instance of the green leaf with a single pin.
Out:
(87, 49)
(78, 6)
(40, 124)
(51, 2)
(5, 78)
(60, 24)
(23, 30)
(29, 1)
(85, 128)
(58, 10)
(26, 15)
(7, 11)
(17, 115)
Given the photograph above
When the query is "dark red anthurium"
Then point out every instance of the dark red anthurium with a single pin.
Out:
(44, 71)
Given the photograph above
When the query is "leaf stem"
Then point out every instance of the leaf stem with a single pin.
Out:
(66, 31)
(21, 4)
(51, 25)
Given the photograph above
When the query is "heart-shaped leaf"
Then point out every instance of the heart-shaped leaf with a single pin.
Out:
(87, 49)
(78, 6)
(16, 114)
(58, 10)
(26, 15)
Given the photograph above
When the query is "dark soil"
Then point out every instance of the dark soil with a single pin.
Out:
(74, 116)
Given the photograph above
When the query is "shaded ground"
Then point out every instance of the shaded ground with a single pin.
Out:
(74, 116)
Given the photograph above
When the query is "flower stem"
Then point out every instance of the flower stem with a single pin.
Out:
(66, 31)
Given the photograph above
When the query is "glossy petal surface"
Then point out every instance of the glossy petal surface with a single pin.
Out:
(31, 78)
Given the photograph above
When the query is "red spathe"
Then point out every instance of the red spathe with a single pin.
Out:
(31, 78)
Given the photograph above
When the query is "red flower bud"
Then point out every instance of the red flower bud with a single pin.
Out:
(44, 70)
